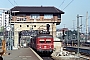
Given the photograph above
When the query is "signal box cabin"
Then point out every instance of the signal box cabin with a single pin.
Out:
(35, 17)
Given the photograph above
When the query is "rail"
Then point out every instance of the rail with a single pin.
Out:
(84, 52)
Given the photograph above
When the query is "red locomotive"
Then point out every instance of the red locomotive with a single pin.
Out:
(42, 43)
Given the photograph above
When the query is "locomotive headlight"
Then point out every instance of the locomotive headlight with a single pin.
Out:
(40, 47)
(50, 46)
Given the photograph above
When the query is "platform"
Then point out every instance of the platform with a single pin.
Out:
(22, 54)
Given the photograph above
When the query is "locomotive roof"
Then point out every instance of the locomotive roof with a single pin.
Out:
(45, 35)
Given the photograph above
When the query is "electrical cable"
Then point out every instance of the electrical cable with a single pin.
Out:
(62, 3)
(15, 2)
(68, 4)
(11, 2)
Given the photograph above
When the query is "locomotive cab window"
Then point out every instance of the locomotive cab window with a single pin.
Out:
(42, 41)
(48, 40)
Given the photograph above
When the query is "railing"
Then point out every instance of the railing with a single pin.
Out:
(24, 19)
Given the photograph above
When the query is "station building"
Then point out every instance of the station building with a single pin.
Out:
(36, 18)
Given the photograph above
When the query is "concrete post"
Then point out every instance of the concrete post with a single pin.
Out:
(78, 34)
(16, 39)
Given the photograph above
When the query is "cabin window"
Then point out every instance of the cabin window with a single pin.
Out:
(27, 25)
(35, 16)
(21, 19)
(59, 16)
(20, 26)
(24, 19)
(34, 25)
(48, 16)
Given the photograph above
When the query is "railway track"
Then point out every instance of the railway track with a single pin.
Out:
(81, 51)
(45, 56)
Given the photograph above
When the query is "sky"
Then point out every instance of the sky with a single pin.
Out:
(69, 18)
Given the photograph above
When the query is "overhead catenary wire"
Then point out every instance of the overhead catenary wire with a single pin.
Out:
(11, 2)
(15, 2)
(62, 3)
(68, 4)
